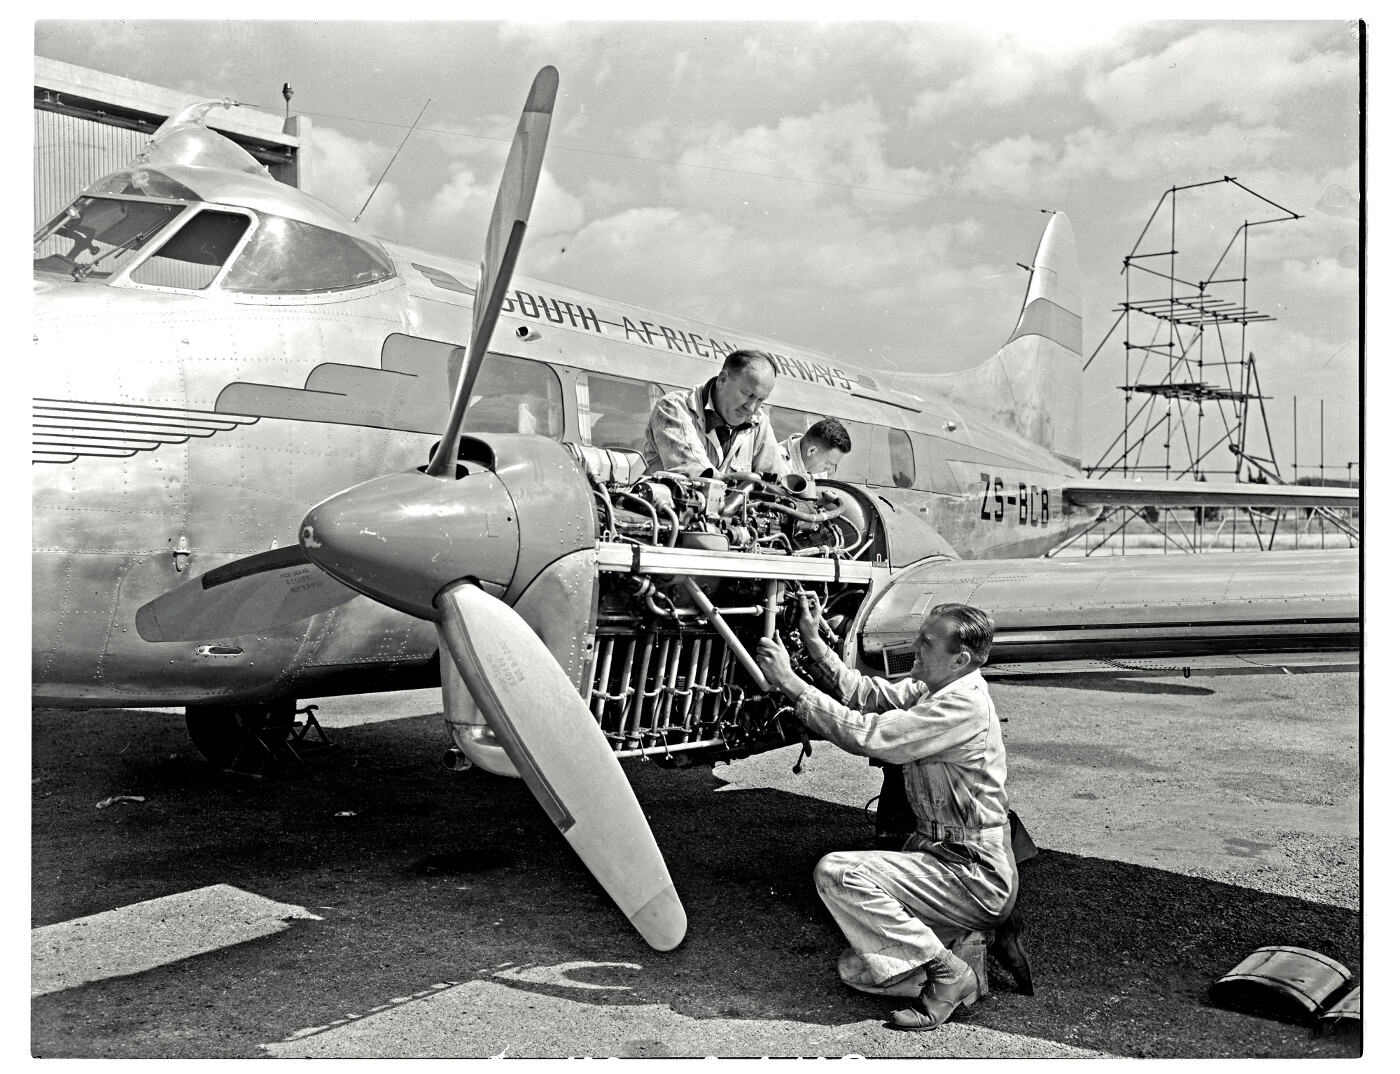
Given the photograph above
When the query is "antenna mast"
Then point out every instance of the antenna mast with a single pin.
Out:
(391, 162)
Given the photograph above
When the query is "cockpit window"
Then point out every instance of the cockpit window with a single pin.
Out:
(193, 256)
(95, 237)
(291, 257)
(144, 182)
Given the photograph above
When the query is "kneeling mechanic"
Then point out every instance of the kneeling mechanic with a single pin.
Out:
(901, 909)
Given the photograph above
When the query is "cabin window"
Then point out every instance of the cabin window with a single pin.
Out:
(614, 411)
(891, 457)
(901, 459)
(96, 237)
(931, 472)
(787, 422)
(515, 395)
(193, 256)
(291, 257)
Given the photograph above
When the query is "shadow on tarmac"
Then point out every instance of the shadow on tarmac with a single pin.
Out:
(440, 877)
(1110, 683)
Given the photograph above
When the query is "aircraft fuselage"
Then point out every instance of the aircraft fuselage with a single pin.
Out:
(176, 431)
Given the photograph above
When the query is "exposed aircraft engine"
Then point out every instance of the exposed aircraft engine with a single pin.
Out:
(793, 518)
(672, 675)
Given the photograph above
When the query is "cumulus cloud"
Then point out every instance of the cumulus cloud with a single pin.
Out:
(834, 149)
(1012, 167)
(633, 255)
(1030, 168)
(888, 295)
(456, 215)
(985, 69)
(482, 137)
(462, 195)
(651, 138)
(996, 79)
(341, 171)
(555, 209)
(605, 195)
(1250, 71)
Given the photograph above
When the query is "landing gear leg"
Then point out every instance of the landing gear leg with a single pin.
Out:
(249, 739)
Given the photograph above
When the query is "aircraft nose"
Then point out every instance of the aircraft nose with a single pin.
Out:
(402, 537)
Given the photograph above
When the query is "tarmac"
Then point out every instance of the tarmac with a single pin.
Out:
(373, 904)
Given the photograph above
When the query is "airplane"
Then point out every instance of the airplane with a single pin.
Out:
(277, 458)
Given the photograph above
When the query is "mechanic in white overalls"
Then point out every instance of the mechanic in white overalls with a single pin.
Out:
(901, 909)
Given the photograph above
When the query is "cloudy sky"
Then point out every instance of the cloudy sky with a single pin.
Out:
(862, 188)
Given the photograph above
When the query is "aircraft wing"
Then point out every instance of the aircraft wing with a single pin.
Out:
(1119, 493)
(1149, 614)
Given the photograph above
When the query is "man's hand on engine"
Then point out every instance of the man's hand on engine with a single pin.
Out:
(773, 661)
(809, 620)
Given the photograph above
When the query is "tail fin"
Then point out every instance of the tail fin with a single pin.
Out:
(1033, 384)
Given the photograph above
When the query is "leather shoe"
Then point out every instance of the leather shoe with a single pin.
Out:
(1006, 949)
(937, 1002)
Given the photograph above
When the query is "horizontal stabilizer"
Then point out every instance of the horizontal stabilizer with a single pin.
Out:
(1119, 493)
(255, 593)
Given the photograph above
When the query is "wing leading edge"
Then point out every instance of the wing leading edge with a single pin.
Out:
(1209, 612)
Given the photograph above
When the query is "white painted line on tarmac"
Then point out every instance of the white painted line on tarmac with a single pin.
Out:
(518, 1011)
(570, 974)
(144, 935)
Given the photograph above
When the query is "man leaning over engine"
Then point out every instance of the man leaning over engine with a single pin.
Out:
(718, 427)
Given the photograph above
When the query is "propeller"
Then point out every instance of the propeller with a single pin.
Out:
(504, 235)
(555, 745)
(435, 543)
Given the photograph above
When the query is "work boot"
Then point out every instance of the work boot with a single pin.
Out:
(955, 986)
(1007, 950)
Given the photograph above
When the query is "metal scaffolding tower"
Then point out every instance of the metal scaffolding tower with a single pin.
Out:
(1196, 383)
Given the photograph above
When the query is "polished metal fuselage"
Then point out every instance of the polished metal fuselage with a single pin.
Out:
(207, 424)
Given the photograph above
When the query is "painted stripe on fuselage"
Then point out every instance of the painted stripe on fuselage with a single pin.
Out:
(144, 935)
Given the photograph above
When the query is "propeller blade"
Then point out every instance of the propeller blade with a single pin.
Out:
(552, 739)
(503, 238)
(250, 594)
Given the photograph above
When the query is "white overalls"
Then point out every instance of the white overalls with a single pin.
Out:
(900, 909)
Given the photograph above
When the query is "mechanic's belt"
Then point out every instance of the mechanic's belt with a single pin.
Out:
(946, 833)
